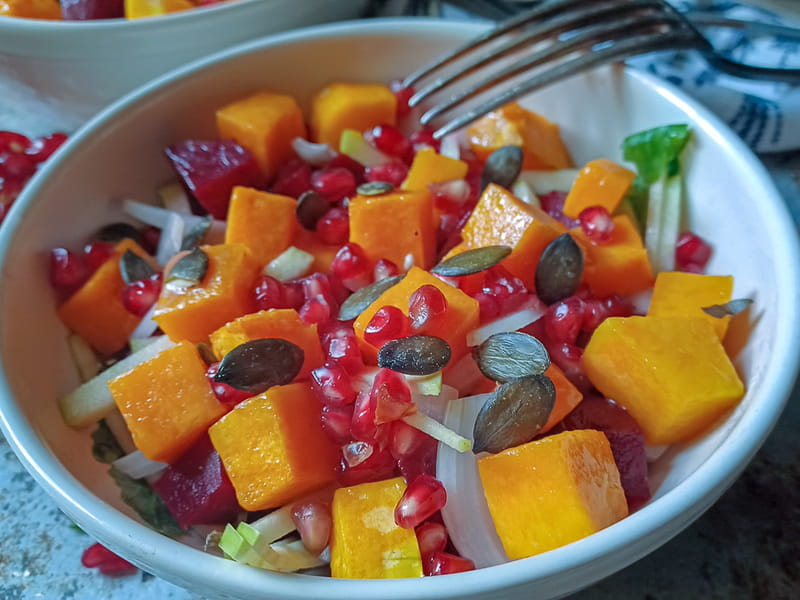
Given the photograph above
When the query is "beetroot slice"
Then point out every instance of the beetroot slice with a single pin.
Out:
(84, 10)
(196, 489)
(210, 170)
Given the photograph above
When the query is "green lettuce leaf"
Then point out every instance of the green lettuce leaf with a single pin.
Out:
(137, 494)
(105, 447)
(656, 152)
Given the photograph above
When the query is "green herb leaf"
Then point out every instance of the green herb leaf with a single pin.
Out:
(137, 494)
(655, 152)
(105, 447)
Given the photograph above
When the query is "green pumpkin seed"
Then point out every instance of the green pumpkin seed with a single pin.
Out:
(116, 232)
(192, 237)
(729, 309)
(514, 414)
(415, 355)
(560, 270)
(472, 261)
(311, 207)
(375, 188)
(133, 267)
(507, 356)
(360, 300)
(257, 365)
(502, 167)
(189, 270)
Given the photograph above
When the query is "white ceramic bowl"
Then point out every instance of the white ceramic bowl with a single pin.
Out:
(732, 203)
(81, 66)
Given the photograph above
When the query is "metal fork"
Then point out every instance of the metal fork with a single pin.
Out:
(555, 40)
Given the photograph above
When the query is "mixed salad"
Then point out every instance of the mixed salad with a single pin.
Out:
(83, 10)
(338, 343)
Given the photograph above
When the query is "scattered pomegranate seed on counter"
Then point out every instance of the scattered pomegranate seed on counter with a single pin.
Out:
(99, 557)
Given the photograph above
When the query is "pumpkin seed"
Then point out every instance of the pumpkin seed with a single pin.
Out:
(514, 414)
(116, 232)
(375, 188)
(560, 270)
(360, 300)
(189, 270)
(729, 309)
(415, 355)
(206, 353)
(506, 356)
(257, 365)
(311, 207)
(192, 237)
(472, 261)
(502, 167)
(133, 267)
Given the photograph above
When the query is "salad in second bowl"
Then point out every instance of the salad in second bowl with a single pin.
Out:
(85, 10)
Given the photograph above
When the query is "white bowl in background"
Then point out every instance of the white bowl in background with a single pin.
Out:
(732, 203)
(81, 66)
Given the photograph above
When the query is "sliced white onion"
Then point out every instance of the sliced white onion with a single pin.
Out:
(463, 375)
(451, 147)
(273, 526)
(146, 327)
(317, 155)
(641, 301)
(524, 192)
(670, 223)
(652, 230)
(543, 182)
(83, 356)
(290, 264)
(511, 322)
(138, 466)
(175, 198)
(169, 244)
(436, 406)
(116, 423)
(157, 217)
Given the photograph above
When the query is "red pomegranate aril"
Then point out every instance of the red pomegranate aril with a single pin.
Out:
(391, 397)
(269, 293)
(43, 148)
(420, 462)
(225, 393)
(96, 253)
(320, 304)
(336, 419)
(334, 227)
(431, 538)
(11, 141)
(332, 385)
(618, 306)
(569, 358)
(553, 204)
(334, 183)
(423, 497)
(424, 139)
(138, 297)
(82, 10)
(594, 313)
(16, 167)
(597, 224)
(392, 172)
(98, 556)
(345, 162)
(402, 95)
(444, 563)
(68, 270)
(691, 252)
(340, 344)
(362, 426)
(351, 266)
(389, 323)
(293, 178)
(427, 308)
(377, 466)
(314, 312)
(390, 140)
(293, 294)
(151, 237)
(314, 523)
(488, 305)
(384, 268)
(563, 320)
(406, 440)
(356, 453)
(509, 291)
(450, 196)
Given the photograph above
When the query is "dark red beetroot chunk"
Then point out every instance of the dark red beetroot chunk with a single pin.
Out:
(210, 170)
(626, 439)
(196, 488)
(82, 10)
(553, 205)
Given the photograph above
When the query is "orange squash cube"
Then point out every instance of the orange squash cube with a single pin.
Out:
(283, 324)
(96, 313)
(394, 225)
(264, 222)
(567, 397)
(501, 218)
(359, 106)
(167, 402)
(686, 294)
(461, 316)
(513, 125)
(621, 265)
(430, 167)
(599, 183)
(265, 123)
(138, 9)
(225, 293)
(366, 543)
(671, 373)
(31, 9)
(273, 447)
(550, 492)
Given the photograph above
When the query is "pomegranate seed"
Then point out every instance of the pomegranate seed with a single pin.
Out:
(563, 320)
(508, 291)
(390, 140)
(402, 95)
(389, 323)
(406, 440)
(356, 453)
(594, 313)
(377, 466)
(363, 425)
(314, 523)
(109, 563)
(4, 208)
(16, 167)
(597, 224)
(423, 497)
(568, 358)
(13, 142)
(618, 306)
(334, 183)
(269, 293)
(488, 305)
(691, 252)
(68, 270)
(431, 538)
(427, 308)
(96, 253)
(332, 385)
(340, 344)
(421, 461)
(225, 393)
(424, 139)
(293, 178)
(384, 268)
(334, 227)
(138, 297)
(336, 421)
(553, 205)
(293, 294)
(450, 196)
(151, 237)
(314, 312)
(393, 172)
(320, 303)
(44, 147)
(444, 563)
(391, 397)
(345, 162)
(351, 266)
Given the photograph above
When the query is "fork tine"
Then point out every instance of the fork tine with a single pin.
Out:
(555, 25)
(640, 44)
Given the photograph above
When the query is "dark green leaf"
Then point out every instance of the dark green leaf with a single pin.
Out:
(105, 447)
(655, 152)
(137, 494)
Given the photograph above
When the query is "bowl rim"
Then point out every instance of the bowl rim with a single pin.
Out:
(639, 533)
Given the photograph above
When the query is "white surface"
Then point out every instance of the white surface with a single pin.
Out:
(120, 154)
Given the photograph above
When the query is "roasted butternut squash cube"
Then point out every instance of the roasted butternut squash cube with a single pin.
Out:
(599, 183)
(567, 397)
(366, 543)
(31, 9)
(461, 316)
(283, 324)
(96, 313)
(431, 167)
(359, 106)
(671, 373)
(501, 218)
(686, 294)
(550, 492)
(225, 293)
(264, 222)
(265, 123)
(273, 447)
(167, 402)
(621, 265)
(393, 226)
(138, 9)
